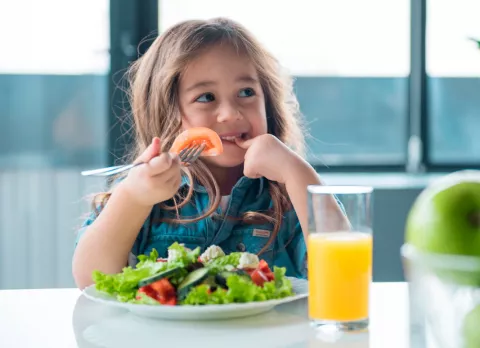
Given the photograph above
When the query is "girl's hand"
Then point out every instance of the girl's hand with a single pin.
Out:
(268, 157)
(155, 181)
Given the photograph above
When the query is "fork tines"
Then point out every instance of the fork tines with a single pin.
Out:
(190, 154)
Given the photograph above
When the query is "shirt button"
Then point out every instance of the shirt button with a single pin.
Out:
(241, 247)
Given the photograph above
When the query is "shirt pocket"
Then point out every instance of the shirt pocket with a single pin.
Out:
(253, 240)
(162, 239)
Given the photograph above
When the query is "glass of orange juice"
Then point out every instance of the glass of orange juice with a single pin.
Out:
(339, 249)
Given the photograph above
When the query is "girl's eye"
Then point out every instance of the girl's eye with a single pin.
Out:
(206, 98)
(246, 92)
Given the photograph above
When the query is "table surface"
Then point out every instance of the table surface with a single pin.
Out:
(61, 318)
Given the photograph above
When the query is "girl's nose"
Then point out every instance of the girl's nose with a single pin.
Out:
(229, 112)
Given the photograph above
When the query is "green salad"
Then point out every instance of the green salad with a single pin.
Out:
(188, 278)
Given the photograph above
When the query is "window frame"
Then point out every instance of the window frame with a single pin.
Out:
(132, 23)
(419, 106)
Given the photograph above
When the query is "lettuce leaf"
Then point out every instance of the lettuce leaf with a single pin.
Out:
(223, 263)
(145, 259)
(283, 285)
(184, 257)
(240, 289)
(124, 285)
(201, 295)
(144, 299)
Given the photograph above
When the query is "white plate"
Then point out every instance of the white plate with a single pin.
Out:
(206, 312)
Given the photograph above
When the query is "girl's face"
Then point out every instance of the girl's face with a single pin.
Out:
(220, 90)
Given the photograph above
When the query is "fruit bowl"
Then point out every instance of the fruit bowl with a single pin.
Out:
(444, 298)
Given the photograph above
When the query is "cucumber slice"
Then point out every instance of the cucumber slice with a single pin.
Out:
(210, 281)
(158, 276)
(192, 279)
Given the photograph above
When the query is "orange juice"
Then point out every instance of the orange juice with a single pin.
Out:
(339, 275)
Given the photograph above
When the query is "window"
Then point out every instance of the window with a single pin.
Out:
(54, 69)
(351, 61)
(453, 68)
(53, 83)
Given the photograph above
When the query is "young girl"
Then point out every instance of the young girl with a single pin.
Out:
(251, 198)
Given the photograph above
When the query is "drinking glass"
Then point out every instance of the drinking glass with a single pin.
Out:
(339, 245)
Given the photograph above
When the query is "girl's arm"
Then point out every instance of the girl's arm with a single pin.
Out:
(106, 243)
(300, 174)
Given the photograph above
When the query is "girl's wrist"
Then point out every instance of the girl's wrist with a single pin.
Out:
(300, 171)
(124, 193)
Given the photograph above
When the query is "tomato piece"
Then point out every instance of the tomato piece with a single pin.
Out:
(258, 277)
(147, 290)
(163, 286)
(171, 301)
(162, 291)
(261, 274)
(263, 266)
(198, 135)
(269, 276)
(161, 259)
(249, 270)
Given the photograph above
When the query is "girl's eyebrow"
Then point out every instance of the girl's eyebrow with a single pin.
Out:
(200, 84)
(247, 78)
(207, 83)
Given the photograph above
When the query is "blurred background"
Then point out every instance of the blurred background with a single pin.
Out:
(390, 91)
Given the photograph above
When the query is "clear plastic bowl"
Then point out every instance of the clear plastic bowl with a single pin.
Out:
(444, 298)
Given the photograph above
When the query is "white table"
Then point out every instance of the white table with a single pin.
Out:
(62, 318)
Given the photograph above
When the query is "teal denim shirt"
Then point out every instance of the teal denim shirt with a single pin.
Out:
(288, 250)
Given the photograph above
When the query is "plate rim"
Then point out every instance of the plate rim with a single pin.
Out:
(90, 291)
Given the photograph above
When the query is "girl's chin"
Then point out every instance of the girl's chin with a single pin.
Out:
(224, 161)
(232, 156)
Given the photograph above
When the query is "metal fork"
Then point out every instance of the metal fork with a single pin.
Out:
(187, 156)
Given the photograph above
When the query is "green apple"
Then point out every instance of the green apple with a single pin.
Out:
(470, 328)
(445, 218)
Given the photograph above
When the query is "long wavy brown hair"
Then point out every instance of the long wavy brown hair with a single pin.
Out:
(153, 96)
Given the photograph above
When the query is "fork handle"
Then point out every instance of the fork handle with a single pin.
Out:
(110, 170)
(124, 168)
(186, 156)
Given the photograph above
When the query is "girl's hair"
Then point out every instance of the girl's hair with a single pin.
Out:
(153, 94)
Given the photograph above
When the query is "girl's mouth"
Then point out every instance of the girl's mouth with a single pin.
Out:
(232, 137)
